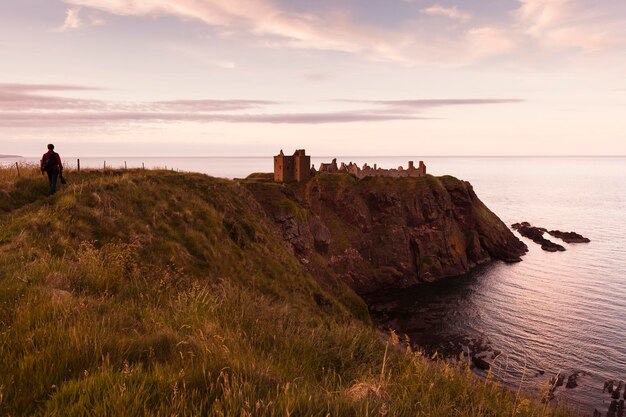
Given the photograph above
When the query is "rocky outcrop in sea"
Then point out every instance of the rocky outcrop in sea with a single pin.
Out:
(536, 235)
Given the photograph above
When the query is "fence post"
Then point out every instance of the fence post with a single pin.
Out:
(143, 166)
(78, 164)
(105, 165)
(125, 167)
(17, 166)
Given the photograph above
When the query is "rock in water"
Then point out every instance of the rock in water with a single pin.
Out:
(480, 363)
(557, 381)
(569, 237)
(571, 381)
(536, 235)
(606, 386)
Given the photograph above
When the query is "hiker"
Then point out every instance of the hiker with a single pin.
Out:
(51, 165)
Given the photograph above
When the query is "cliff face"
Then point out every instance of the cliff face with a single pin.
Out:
(381, 233)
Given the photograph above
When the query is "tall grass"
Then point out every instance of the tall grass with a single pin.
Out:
(153, 293)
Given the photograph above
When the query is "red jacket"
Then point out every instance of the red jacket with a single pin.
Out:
(57, 166)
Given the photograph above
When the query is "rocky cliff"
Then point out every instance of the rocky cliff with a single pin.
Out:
(381, 233)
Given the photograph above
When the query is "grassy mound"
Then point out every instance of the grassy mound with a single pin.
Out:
(261, 176)
(155, 293)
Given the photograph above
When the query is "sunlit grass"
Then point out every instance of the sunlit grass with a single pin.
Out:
(155, 293)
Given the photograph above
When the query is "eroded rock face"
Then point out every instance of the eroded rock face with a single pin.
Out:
(320, 233)
(382, 233)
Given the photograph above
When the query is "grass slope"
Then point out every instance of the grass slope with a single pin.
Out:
(155, 293)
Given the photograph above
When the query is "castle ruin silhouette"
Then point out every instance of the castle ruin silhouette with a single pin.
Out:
(298, 168)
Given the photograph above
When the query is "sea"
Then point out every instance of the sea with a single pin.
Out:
(562, 312)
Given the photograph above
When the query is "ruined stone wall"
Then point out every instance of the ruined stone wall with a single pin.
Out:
(367, 171)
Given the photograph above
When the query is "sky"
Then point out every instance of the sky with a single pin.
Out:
(337, 77)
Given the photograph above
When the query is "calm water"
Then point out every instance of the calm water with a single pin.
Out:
(553, 312)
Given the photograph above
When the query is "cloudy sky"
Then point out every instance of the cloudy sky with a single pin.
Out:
(338, 77)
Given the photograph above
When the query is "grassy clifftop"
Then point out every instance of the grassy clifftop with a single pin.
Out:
(156, 293)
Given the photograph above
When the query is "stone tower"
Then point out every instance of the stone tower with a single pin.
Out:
(302, 165)
(292, 168)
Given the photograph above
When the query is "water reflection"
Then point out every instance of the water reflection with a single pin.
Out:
(523, 319)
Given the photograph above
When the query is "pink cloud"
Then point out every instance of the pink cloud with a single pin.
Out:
(317, 76)
(449, 12)
(32, 88)
(64, 119)
(575, 24)
(547, 24)
(20, 97)
(210, 105)
(21, 106)
(419, 104)
(263, 17)
(72, 20)
(488, 41)
(25, 97)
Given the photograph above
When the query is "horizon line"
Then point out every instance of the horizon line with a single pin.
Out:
(325, 156)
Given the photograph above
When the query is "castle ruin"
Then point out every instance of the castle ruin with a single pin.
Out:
(292, 168)
(368, 171)
(298, 168)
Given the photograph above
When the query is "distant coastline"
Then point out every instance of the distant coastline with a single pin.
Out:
(10, 156)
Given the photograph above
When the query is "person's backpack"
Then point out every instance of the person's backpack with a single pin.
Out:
(50, 163)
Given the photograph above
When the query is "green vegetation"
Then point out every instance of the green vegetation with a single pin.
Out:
(155, 293)
(261, 176)
(292, 208)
